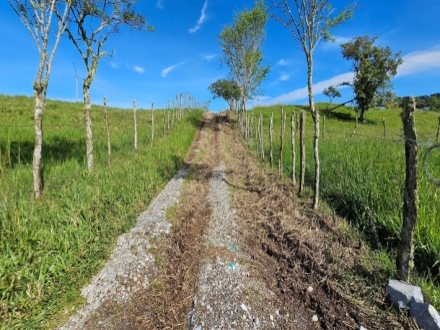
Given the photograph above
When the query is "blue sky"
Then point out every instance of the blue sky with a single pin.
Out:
(183, 55)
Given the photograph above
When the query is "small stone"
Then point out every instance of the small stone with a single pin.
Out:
(310, 289)
(315, 318)
(244, 317)
(271, 317)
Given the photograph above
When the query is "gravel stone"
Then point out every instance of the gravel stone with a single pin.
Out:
(130, 263)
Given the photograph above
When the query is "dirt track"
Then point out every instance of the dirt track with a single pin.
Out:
(242, 254)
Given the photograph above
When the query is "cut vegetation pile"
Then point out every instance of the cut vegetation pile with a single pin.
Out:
(363, 175)
(51, 247)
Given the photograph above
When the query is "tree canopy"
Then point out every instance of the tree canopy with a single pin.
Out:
(331, 92)
(241, 46)
(373, 67)
(227, 89)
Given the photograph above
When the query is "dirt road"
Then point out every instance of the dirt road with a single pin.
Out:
(225, 246)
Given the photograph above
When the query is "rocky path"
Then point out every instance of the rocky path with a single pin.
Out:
(224, 247)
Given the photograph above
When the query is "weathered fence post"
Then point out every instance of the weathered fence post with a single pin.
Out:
(405, 251)
(384, 128)
(152, 122)
(107, 127)
(261, 137)
(135, 126)
(323, 128)
(168, 115)
(355, 128)
(283, 127)
(271, 139)
(302, 155)
(292, 140)
(438, 130)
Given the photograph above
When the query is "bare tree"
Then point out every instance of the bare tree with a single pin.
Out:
(310, 21)
(36, 16)
(91, 24)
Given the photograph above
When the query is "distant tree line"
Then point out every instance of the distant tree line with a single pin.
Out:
(426, 102)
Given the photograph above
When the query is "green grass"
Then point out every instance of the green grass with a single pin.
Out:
(52, 246)
(363, 176)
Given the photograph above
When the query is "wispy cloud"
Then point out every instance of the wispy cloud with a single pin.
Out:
(284, 77)
(302, 93)
(114, 65)
(201, 20)
(282, 62)
(170, 68)
(159, 4)
(138, 69)
(208, 57)
(420, 61)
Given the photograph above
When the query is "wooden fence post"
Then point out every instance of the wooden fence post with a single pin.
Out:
(292, 139)
(355, 128)
(283, 127)
(152, 122)
(135, 126)
(271, 139)
(107, 127)
(438, 130)
(405, 251)
(169, 114)
(261, 137)
(323, 128)
(302, 155)
(384, 128)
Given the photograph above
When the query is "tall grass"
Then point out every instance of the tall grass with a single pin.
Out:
(50, 247)
(363, 176)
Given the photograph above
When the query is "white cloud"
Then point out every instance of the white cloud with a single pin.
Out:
(282, 62)
(208, 57)
(201, 20)
(341, 40)
(170, 68)
(284, 77)
(159, 4)
(114, 65)
(420, 61)
(139, 69)
(302, 93)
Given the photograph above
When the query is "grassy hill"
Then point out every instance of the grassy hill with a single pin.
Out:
(51, 247)
(363, 175)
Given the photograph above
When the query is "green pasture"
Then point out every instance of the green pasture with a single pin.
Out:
(50, 247)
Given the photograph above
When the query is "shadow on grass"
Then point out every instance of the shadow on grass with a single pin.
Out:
(57, 149)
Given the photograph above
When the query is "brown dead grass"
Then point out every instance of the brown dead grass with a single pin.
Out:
(298, 248)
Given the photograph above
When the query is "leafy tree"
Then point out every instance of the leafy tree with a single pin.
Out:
(331, 92)
(433, 103)
(309, 22)
(227, 89)
(373, 67)
(91, 24)
(241, 45)
(36, 16)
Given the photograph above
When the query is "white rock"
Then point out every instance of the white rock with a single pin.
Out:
(426, 316)
(310, 289)
(402, 294)
(315, 318)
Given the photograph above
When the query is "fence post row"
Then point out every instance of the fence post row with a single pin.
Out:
(302, 155)
(107, 127)
(405, 252)
(292, 140)
(271, 139)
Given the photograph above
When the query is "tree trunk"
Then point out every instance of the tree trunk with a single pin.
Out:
(362, 115)
(405, 251)
(38, 118)
(88, 124)
(315, 116)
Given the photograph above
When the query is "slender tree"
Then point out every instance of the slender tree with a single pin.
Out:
(241, 45)
(91, 24)
(37, 17)
(309, 22)
(331, 92)
(226, 89)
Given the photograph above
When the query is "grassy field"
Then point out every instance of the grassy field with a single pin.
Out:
(363, 177)
(49, 248)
